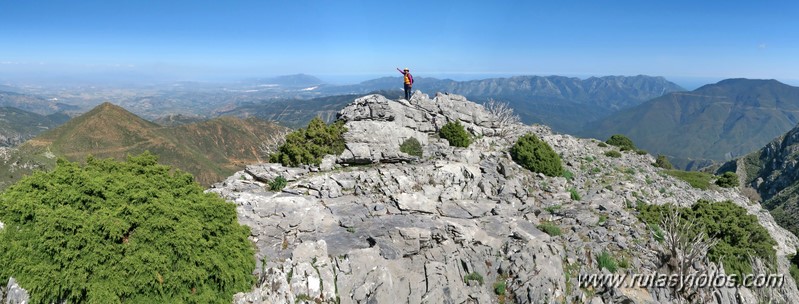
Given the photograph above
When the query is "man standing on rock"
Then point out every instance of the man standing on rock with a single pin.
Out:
(408, 82)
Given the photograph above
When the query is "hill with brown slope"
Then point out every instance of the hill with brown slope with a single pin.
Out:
(210, 150)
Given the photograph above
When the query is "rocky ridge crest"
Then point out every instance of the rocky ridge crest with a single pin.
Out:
(374, 225)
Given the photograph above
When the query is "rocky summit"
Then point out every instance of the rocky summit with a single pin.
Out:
(464, 225)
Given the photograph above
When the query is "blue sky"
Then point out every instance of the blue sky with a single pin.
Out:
(229, 39)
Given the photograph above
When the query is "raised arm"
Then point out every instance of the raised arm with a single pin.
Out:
(398, 69)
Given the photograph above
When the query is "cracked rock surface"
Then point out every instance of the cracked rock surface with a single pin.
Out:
(376, 225)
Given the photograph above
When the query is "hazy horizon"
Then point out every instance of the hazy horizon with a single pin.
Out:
(355, 40)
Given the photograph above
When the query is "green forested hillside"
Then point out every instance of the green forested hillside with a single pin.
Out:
(715, 122)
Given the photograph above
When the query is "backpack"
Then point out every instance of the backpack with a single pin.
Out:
(410, 78)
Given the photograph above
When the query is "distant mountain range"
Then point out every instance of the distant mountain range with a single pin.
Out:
(293, 113)
(211, 150)
(716, 122)
(33, 103)
(563, 103)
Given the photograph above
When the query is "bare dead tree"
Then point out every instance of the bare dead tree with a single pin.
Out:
(683, 250)
(504, 113)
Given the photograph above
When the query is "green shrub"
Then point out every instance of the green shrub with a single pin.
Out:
(474, 276)
(794, 268)
(602, 219)
(574, 194)
(550, 228)
(624, 263)
(728, 180)
(602, 145)
(657, 233)
(663, 162)
(411, 146)
(740, 235)
(307, 146)
(133, 231)
(699, 180)
(641, 152)
(278, 184)
(536, 155)
(605, 260)
(621, 141)
(553, 208)
(613, 153)
(500, 287)
(455, 134)
(568, 174)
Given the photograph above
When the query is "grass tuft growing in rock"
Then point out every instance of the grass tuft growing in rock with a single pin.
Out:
(474, 276)
(550, 228)
(699, 180)
(278, 184)
(607, 261)
(574, 194)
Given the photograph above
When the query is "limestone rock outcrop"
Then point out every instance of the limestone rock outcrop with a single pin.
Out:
(460, 225)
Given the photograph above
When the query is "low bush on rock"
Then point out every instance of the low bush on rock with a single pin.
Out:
(455, 134)
(623, 142)
(727, 180)
(739, 234)
(550, 228)
(113, 232)
(307, 146)
(536, 155)
(411, 146)
(613, 154)
(663, 162)
(474, 276)
(278, 183)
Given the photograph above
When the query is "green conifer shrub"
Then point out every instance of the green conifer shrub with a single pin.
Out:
(728, 180)
(455, 134)
(663, 162)
(739, 233)
(536, 155)
(113, 232)
(307, 146)
(411, 146)
(613, 154)
(621, 141)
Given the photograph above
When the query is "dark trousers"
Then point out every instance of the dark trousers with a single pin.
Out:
(407, 92)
